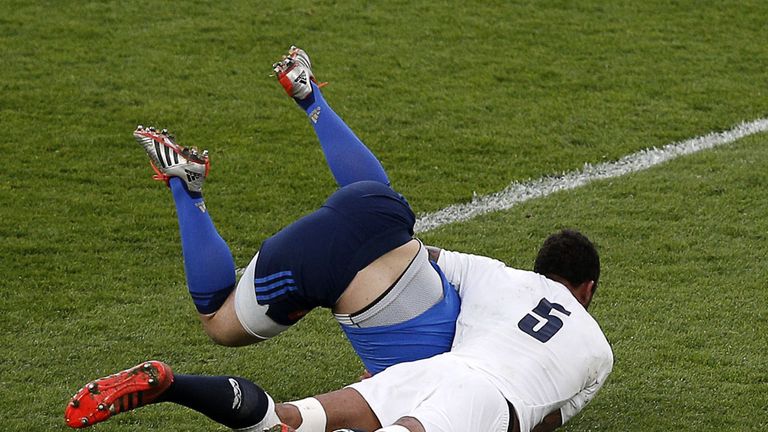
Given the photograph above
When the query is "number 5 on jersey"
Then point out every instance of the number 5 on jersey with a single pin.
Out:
(543, 325)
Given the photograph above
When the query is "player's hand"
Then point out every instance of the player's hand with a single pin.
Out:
(365, 375)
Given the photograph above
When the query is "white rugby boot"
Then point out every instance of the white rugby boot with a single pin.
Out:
(294, 72)
(169, 159)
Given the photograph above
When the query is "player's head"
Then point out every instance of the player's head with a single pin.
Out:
(570, 256)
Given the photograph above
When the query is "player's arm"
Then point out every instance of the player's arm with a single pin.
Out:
(602, 368)
(461, 268)
(551, 422)
(575, 404)
(555, 419)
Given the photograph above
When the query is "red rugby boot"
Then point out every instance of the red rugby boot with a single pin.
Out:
(294, 72)
(123, 391)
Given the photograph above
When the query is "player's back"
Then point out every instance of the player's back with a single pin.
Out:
(527, 334)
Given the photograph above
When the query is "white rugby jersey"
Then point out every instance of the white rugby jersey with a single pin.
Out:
(529, 336)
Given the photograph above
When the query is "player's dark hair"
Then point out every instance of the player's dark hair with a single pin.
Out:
(570, 255)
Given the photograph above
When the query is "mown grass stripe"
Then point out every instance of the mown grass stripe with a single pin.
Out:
(517, 193)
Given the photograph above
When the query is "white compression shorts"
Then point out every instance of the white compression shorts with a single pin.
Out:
(441, 392)
(253, 316)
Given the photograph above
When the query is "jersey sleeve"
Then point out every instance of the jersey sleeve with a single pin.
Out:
(461, 269)
(453, 266)
(581, 399)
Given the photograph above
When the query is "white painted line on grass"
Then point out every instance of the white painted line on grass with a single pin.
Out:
(517, 193)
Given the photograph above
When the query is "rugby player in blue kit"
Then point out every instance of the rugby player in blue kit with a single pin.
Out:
(526, 354)
(355, 255)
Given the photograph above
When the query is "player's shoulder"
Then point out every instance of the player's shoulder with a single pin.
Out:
(523, 275)
(582, 320)
(456, 255)
(599, 347)
(605, 350)
(472, 264)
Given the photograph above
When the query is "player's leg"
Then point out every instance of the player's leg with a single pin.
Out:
(208, 263)
(405, 424)
(339, 409)
(478, 406)
(348, 158)
(232, 401)
(423, 394)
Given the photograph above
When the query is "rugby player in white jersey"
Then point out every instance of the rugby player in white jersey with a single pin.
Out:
(526, 355)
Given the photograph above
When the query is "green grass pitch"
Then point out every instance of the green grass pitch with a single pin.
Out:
(455, 98)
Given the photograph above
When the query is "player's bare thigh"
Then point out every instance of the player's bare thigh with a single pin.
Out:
(375, 279)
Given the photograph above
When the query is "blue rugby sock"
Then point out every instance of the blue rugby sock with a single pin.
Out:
(349, 159)
(208, 262)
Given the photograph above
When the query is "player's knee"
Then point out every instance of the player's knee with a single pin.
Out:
(219, 338)
(226, 333)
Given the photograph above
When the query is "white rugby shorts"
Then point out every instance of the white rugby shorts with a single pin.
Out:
(441, 392)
